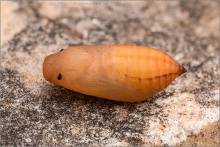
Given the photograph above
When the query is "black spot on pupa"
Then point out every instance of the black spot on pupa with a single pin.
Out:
(59, 76)
(61, 50)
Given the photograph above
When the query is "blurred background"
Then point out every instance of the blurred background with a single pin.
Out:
(35, 112)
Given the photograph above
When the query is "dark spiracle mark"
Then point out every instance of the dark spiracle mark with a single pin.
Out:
(59, 76)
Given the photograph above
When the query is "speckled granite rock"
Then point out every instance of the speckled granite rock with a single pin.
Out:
(35, 112)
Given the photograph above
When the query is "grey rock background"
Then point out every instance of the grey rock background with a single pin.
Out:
(35, 112)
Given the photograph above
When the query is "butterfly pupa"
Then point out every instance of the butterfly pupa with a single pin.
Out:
(116, 72)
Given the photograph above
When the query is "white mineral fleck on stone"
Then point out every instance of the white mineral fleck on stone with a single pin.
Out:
(28, 140)
(210, 115)
(215, 94)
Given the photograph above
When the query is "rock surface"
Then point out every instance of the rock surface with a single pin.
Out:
(35, 112)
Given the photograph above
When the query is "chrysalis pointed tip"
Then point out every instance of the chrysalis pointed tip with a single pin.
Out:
(182, 70)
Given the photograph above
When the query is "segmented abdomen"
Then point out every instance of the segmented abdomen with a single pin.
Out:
(146, 69)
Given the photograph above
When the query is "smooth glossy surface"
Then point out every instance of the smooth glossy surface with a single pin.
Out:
(119, 72)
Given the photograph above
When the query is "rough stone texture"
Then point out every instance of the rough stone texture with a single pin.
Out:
(35, 112)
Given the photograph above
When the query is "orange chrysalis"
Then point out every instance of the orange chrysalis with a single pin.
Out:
(115, 72)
